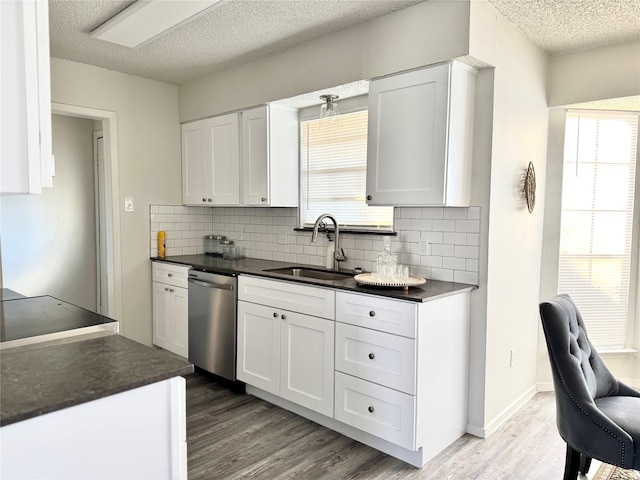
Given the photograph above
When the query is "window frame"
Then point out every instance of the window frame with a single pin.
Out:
(346, 106)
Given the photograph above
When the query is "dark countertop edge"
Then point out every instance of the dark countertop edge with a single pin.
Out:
(415, 294)
(167, 370)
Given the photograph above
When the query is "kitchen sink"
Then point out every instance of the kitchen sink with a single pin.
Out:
(311, 273)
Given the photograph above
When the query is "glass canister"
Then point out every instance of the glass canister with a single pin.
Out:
(212, 244)
(228, 249)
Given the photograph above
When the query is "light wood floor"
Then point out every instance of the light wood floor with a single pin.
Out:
(238, 436)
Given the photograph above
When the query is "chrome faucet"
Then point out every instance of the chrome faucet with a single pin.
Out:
(339, 255)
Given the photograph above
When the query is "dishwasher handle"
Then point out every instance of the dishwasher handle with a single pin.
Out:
(210, 285)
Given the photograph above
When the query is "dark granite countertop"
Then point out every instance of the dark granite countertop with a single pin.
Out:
(28, 317)
(45, 377)
(431, 290)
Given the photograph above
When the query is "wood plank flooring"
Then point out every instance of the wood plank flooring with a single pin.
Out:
(237, 436)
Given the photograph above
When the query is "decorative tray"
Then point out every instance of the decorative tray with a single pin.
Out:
(368, 279)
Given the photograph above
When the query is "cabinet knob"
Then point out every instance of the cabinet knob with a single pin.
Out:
(371, 409)
(166, 289)
(204, 199)
(372, 356)
(171, 290)
(275, 315)
(369, 197)
(372, 313)
(169, 275)
(263, 199)
(283, 316)
(209, 200)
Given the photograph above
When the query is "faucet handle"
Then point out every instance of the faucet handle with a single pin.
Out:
(341, 257)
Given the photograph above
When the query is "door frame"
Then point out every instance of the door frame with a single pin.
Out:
(112, 196)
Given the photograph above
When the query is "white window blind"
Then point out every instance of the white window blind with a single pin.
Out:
(333, 161)
(597, 220)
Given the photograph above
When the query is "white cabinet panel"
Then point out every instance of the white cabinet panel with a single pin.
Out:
(377, 410)
(196, 167)
(307, 362)
(381, 358)
(316, 301)
(259, 346)
(171, 274)
(420, 134)
(170, 308)
(377, 313)
(255, 157)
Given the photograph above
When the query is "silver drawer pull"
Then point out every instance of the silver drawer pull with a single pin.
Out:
(371, 409)
(372, 356)
(372, 313)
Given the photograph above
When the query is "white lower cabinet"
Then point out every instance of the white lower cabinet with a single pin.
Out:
(286, 353)
(170, 308)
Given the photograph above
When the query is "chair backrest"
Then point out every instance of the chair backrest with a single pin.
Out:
(575, 363)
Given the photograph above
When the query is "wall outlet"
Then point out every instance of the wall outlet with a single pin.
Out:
(512, 358)
(128, 204)
(423, 246)
(282, 235)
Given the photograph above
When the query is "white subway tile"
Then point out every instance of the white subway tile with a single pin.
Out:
(434, 237)
(465, 277)
(420, 225)
(182, 242)
(431, 261)
(472, 226)
(442, 249)
(444, 225)
(158, 217)
(402, 224)
(455, 213)
(455, 238)
(166, 209)
(191, 250)
(453, 263)
(173, 251)
(166, 226)
(473, 213)
(278, 256)
(466, 252)
(473, 239)
(436, 213)
(153, 208)
(410, 212)
(442, 275)
(181, 210)
(408, 236)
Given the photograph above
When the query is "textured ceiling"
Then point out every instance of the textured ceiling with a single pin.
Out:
(240, 31)
(233, 33)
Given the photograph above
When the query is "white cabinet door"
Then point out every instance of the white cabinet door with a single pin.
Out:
(307, 361)
(170, 318)
(211, 161)
(418, 146)
(258, 361)
(25, 151)
(223, 135)
(270, 156)
(255, 157)
(197, 180)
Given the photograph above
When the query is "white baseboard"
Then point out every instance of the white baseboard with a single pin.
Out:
(491, 427)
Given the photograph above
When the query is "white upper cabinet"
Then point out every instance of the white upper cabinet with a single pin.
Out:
(210, 161)
(270, 157)
(420, 137)
(247, 158)
(26, 162)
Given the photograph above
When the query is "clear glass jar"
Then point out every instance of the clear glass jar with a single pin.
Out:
(212, 244)
(228, 249)
(386, 261)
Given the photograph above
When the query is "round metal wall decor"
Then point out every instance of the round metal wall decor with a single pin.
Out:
(530, 187)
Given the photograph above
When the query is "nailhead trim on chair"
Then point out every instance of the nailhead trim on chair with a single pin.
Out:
(621, 464)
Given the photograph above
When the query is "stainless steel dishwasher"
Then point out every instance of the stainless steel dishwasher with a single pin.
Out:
(212, 322)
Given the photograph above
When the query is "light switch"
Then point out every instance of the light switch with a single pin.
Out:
(128, 204)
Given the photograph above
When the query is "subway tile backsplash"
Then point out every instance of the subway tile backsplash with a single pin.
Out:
(267, 233)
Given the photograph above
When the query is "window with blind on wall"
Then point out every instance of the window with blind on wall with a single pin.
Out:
(598, 252)
(333, 163)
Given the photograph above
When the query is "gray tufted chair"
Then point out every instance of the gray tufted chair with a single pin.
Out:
(597, 416)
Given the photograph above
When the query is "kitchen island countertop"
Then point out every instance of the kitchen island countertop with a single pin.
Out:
(45, 377)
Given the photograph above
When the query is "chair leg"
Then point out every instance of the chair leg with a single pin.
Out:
(572, 464)
(585, 463)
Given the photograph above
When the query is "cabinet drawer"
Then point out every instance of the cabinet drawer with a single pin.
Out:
(392, 316)
(377, 410)
(316, 301)
(170, 273)
(382, 358)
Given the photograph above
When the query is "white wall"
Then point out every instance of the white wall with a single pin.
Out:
(149, 166)
(597, 74)
(49, 240)
(424, 34)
